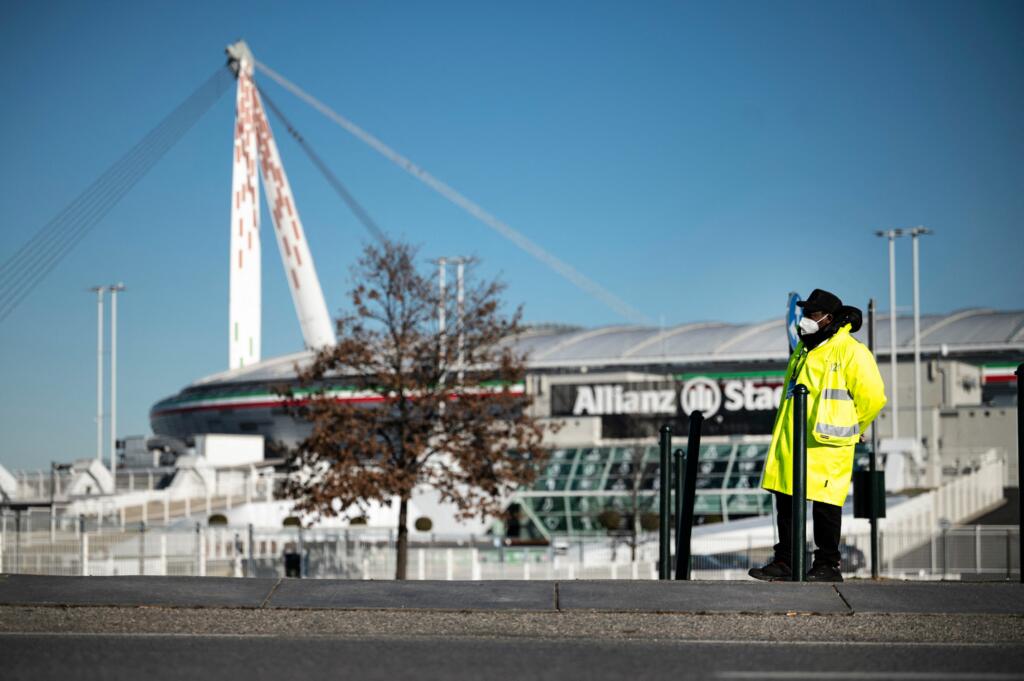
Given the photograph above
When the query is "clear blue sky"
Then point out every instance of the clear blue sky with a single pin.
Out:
(698, 160)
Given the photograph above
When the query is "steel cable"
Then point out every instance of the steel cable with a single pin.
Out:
(87, 211)
(38, 245)
(339, 187)
(91, 207)
(549, 259)
(80, 216)
(44, 237)
(23, 271)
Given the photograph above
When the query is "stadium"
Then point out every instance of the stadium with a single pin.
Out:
(612, 387)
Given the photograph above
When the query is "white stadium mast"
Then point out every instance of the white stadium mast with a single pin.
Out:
(245, 297)
(255, 146)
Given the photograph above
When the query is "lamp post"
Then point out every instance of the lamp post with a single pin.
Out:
(99, 370)
(873, 461)
(892, 235)
(442, 328)
(114, 289)
(460, 308)
(914, 233)
(442, 321)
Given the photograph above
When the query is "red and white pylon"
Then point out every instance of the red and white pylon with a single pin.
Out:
(244, 306)
(255, 147)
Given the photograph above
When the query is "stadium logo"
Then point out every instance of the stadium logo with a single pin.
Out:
(600, 400)
(703, 393)
(707, 395)
(700, 393)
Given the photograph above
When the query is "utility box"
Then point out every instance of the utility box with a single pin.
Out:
(868, 494)
(225, 451)
(960, 384)
(135, 453)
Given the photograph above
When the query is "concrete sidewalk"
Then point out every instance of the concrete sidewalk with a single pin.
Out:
(739, 597)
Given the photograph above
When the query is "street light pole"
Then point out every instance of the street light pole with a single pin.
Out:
(460, 300)
(891, 235)
(441, 316)
(99, 370)
(873, 461)
(914, 233)
(114, 289)
(442, 313)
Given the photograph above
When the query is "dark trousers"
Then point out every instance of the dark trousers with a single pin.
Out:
(827, 525)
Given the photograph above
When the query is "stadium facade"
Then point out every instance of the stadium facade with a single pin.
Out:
(611, 388)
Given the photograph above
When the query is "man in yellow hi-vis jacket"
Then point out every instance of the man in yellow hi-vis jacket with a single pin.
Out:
(845, 395)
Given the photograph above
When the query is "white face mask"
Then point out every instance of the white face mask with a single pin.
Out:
(809, 326)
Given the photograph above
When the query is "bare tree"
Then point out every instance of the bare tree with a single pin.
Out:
(391, 408)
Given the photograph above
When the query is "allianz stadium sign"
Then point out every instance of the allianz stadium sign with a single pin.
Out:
(741, 405)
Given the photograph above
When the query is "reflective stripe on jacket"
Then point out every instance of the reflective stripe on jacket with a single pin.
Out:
(846, 393)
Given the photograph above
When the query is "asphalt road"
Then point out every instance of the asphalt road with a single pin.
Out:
(182, 628)
(160, 656)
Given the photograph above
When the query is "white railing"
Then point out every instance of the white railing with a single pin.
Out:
(204, 495)
(38, 485)
(120, 538)
(916, 522)
(238, 552)
(973, 552)
(250, 483)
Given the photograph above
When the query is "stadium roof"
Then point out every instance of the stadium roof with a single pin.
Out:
(975, 330)
(971, 330)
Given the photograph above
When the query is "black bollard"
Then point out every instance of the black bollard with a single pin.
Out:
(664, 494)
(799, 480)
(142, 548)
(1020, 468)
(679, 464)
(17, 539)
(292, 564)
(689, 494)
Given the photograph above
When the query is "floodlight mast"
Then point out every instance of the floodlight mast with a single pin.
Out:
(459, 311)
(99, 370)
(914, 233)
(442, 326)
(114, 290)
(892, 235)
(442, 313)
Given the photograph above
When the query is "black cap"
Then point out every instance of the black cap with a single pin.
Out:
(821, 301)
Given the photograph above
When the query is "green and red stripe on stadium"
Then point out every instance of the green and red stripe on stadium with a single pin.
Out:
(998, 373)
(261, 399)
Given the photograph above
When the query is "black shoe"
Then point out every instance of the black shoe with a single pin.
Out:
(775, 571)
(824, 572)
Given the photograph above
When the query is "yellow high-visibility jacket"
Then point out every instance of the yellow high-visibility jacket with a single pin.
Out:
(845, 395)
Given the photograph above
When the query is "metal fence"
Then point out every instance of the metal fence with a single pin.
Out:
(972, 552)
(957, 553)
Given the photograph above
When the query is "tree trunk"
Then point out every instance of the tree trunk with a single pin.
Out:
(402, 548)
